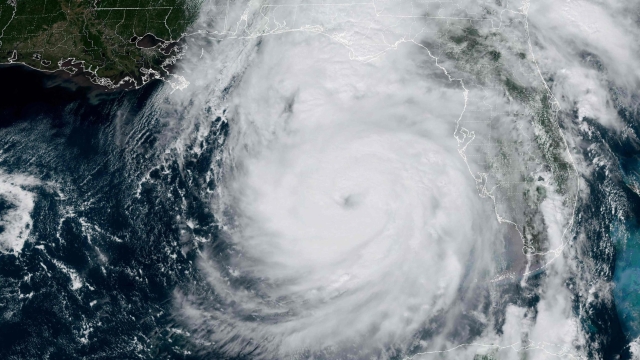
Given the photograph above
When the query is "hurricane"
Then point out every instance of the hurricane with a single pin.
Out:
(360, 220)
(328, 180)
(355, 219)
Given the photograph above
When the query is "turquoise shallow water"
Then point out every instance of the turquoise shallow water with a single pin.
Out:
(627, 279)
(626, 238)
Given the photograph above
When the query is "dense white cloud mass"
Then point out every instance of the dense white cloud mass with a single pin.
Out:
(350, 201)
(16, 204)
(590, 46)
(395, 175)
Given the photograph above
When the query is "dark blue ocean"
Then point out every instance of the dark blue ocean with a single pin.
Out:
(106, 214)
(108, 243)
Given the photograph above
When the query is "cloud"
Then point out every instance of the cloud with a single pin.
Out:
(350, 204)
(349, 221)
(16, 204)
(590, 46)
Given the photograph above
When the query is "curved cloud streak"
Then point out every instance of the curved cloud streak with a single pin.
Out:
(350, 204)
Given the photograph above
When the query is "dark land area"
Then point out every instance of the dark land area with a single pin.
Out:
(101, 37)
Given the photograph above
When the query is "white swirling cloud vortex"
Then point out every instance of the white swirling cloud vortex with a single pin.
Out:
(352, 205)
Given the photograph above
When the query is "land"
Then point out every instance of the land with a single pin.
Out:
(114, 43)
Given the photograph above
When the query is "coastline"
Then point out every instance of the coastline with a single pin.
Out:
(74, 73)
(52, 89)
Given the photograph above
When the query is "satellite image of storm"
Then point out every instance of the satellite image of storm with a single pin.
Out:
(320, 179)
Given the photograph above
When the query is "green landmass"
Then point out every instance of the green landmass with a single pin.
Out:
(477, 55)
(101, 36)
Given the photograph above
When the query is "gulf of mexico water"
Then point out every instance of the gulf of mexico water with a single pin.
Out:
(105, 243)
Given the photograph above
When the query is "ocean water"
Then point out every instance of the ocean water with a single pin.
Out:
(305, 197)
(105, 249)
(108, 244)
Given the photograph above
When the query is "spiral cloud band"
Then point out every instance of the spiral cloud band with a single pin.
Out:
(350, 204)
(390, 181)
(325, 180)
